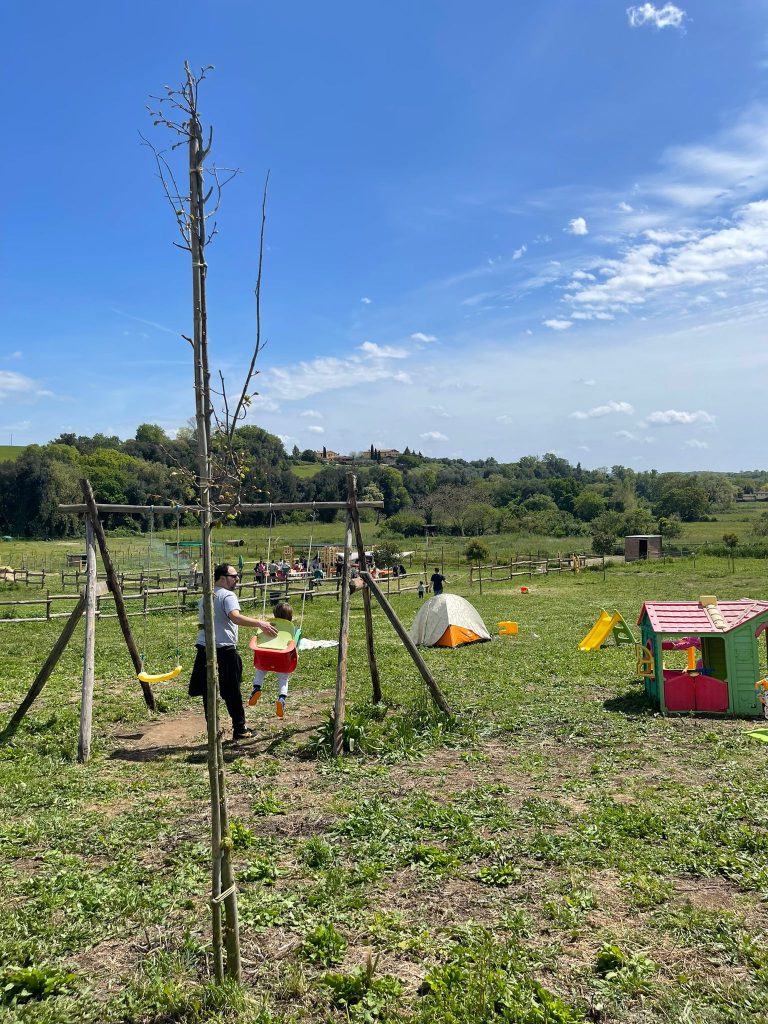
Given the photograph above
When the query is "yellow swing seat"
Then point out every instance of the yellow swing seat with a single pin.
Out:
(163, 677)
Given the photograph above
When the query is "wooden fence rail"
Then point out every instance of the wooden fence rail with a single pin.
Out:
(300, 587)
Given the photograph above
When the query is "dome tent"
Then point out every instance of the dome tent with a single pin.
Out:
(447, 620)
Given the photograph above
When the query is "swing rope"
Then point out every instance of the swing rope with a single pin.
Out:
(163, 677)
(150, 532)
(309, 559)
(269, 550)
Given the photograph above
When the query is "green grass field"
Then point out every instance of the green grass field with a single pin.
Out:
(11, 452)
(306, 469)
(557, 854)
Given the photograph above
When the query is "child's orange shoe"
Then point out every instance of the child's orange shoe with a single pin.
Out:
(254, 698)
(280, 707)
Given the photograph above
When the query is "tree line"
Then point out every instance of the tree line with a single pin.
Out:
(544, 495)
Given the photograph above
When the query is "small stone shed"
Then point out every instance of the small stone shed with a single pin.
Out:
(725, 632)
(641, 546)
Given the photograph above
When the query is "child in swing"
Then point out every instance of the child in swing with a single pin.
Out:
(284, 611)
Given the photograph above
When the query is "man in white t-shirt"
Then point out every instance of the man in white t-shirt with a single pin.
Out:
(226, 618)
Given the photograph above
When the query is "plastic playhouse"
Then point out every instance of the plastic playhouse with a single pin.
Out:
(722, 680)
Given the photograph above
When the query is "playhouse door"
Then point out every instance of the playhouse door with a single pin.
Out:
(679, 691)
(643, 549)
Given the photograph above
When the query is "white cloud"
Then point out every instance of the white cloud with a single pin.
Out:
(674, 416)
(315, 429)
(591, 314)
(304, 379)
(627, 435)
(382, 351)
(519, 253)
(666, 237)
(667, 16)
(577, 226)
(312, 414)
(582, 275)
(604, 410)
(288, 441)
(652, 266)
(13, 355)
(588, 382)
(16, 385)
(263, 403)
(558, 325)
(433, 435)
(695, 443)
(366, 301)
(505, 418)
(624, 207)
(425, 338)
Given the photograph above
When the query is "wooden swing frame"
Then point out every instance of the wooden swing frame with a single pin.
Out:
(87, 605)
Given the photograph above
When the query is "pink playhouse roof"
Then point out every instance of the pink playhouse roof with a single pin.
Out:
(690, 617)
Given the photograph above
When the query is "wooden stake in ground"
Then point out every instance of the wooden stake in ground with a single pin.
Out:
(410, 646)
(86, 699)
(114, 585)
(339, 710)
(361, 564)
(44, 674)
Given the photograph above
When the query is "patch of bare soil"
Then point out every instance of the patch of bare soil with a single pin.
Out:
(160, 737)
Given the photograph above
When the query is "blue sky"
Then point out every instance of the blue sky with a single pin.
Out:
(498, 229)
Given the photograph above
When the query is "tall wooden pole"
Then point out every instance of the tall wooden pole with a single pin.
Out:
(339, 711)
(114, 585)
(410, 646)
(223, 889)
(86, 700)
(374, 669)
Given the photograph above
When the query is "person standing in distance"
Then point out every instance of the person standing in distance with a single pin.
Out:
(226, 618)
(437, 580)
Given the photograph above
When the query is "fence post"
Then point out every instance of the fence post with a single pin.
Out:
(48, 605)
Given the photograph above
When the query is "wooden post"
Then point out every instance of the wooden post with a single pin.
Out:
(44, 674)
(339, 710)
(369, 643)
(48, 604)
(434, 689)
(116, 588)
(480, 576)
(86, 699)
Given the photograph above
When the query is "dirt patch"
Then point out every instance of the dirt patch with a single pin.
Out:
(160, 737)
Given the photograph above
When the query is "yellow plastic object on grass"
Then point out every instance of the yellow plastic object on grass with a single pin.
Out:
(599, 633)
(163, 677)
(507, 628)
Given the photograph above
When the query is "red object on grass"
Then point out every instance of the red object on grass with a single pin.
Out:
(683, 692)
(523, 590)
(276, 661)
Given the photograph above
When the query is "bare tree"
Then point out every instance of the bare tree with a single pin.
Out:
(220, 468)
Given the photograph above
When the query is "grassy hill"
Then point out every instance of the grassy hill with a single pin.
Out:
(11, 452)
(305, 469)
